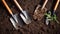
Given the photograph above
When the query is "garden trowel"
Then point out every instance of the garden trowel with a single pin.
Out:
(24, 15)
(15, 19)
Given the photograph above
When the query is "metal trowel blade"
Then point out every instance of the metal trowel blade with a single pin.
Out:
(16, 21)
(25, 18)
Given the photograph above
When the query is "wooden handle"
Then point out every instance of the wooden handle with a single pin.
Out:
(18, 5)
(56, 5)
(4, 2)
(44, 4)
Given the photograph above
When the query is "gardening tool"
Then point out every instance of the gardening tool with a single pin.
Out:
(24, 15)
(15, 19)
(43, 6)
(50, 15)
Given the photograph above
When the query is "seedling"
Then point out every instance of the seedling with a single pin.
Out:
(50, 15)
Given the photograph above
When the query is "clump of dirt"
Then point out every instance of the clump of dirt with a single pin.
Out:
(38, 13)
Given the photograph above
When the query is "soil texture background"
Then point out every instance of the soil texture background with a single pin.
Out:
(36, 27)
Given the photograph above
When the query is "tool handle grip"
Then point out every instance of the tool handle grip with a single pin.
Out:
(4, 2)
(56, 5)
(44, 4)
(18, 5)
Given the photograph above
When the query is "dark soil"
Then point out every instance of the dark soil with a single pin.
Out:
(36, 27)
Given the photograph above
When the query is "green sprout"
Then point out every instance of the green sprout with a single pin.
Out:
(50, 18)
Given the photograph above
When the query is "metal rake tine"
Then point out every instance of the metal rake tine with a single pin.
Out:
(37, 8)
